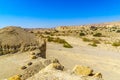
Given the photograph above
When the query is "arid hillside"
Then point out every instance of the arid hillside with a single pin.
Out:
(15, 39)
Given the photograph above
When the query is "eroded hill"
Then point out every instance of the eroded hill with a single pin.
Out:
(15, 39)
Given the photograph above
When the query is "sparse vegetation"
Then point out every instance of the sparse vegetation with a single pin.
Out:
(32, 53)
(95, 41)
(60, 41)
(93, 44)
(46, 32)
(93, 28)
(66, 45)
(82, 34)
(116, 44)
(118, 31)
(86, 39)
(30, 63)
(50, 39)
(34, 57)
(23, 67)
(97, 35)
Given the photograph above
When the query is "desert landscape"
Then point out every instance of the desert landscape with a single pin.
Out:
(86, 52)
(59, 39)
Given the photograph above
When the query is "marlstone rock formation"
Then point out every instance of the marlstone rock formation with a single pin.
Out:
(54, 71)
(15, 39)
(67, 28)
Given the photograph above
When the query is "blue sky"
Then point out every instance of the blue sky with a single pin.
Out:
(52, 13)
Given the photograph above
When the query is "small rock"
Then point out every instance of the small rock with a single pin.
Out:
(55, 66)
(30, 63)
(82, 70)
(99, 75)
(34, 57)
(47, 62)
(32, 53)
(16, 77)
(54, 60)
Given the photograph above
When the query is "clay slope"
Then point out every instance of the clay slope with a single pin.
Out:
(14, 39)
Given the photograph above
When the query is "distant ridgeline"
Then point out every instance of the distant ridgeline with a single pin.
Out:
(15, 39)
(66, 28)
(74, 28)
(107, 29)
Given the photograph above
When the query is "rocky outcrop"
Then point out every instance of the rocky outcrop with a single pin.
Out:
(54, 66)
(39, 64)
(99, 75)
(56, 74)
(32, 70)
(51, 69)
(82, 70)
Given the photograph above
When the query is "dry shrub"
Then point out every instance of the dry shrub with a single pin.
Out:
(86, 39)
(23, 67)
(34, 57)
(30, 63)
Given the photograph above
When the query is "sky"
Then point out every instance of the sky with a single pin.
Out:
(52, 13)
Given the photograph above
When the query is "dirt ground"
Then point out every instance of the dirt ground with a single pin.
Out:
(100, 60)
(11, 64)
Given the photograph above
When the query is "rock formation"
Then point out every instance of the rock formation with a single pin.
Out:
(67, 28)
(82, 70)
(52, 73)
(15, 39)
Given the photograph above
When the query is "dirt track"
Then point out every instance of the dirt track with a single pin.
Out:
(106, 62)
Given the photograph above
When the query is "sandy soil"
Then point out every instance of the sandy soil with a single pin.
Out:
(104, 61)
(11, 64)
(101, 60)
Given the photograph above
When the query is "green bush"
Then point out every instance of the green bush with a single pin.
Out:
(97, 35)
(82, 34)
(30, 63)
(118, 31)
(94, 28)
(86, 39)
(95, 41)
(67, 45)
(50, 39)
(113, 30)
(52, 34)
(1, 53)
(93, 44)
(116, 44)
(23, 67)
(60, 41)
(33, 57)
(46, 32)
